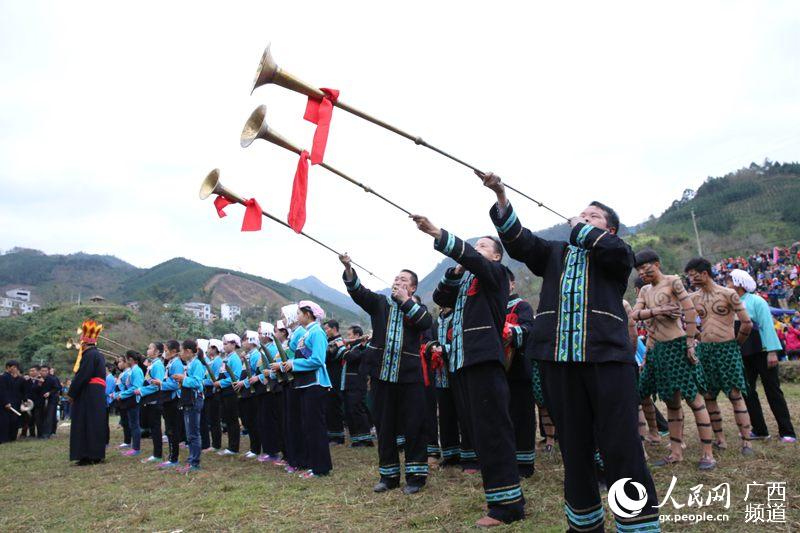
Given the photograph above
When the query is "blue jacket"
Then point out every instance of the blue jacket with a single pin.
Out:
(133, 384)
(233, 367)
(215, 365)
(175, 366)
(111, 384)
(253, 358)
(758, 309)
(194, 375)
(294, 339)
(123, 380)
(315, 349)
(158, 372)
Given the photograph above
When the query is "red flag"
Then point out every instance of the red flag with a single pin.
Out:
(252, 216)
(297, 208)
(220, 202)
(319, 112)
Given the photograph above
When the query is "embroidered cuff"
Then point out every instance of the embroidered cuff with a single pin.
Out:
(352, 284)
(506, 222)
(451, 278)
(449, 245)
(585, 236)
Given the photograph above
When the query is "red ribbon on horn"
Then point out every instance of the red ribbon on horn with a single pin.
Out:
(220, 202)
(252, 216)
(297, 207)
(319, 112)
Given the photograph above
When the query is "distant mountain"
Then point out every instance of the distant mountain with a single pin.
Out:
(62, 278)
(315, 287)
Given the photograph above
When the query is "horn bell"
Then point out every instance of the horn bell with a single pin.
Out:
(210, 184)
(269, 72)
(267, 68)
(256, 127)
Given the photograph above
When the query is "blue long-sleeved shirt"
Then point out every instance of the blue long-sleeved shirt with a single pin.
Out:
(133, 383)
(315, 347)
(294, 339)
(758, 309)
(272, 350)
(175, 366)
(233, 369)
(123, 380)
(215, 364)
(111, 384)
(252, 358)
(156, 371)
(194, 375)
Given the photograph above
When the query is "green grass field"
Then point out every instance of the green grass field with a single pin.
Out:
(42, 492)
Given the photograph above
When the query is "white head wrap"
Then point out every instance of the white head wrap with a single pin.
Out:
(319, 314)
(216, 343)
(232, 337)
(203, 345)
(252, 337)
(289, 314)
(266, 329)
(743, 279)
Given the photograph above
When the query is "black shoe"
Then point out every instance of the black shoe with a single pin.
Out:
(382, 486)
(411, 489)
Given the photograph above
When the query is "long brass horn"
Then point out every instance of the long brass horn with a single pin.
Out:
(256, 127)
(211, 185)
(269, 72)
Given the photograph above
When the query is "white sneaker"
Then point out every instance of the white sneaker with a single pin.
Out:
(250, 455)
(226, 452)
(152, 459)
(123, 445)
(164, 438)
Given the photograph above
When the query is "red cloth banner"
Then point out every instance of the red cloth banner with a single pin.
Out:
(319, 112)
(220, 202)
(252, 216)
(297, 207)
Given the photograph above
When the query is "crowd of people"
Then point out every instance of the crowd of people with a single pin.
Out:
(38, 397)
(468, 387)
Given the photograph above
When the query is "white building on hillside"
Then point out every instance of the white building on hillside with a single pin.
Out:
(23, 295)
(200, 310)
(229, 311)
(17, 302)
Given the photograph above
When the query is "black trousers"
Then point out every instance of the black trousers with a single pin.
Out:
(355, 409)
(230, 414)
(172, 417)
(126, 428)
(401, 407)
(596, 405)
(448, 426)
(334, 415)
(523, 416)
(212, 409)
(44, 425)
(483, 388)
(269, 422)
(467, 454)
(295, 453)
(755, 366)
(248, 408)
(152, 421)
(315, 434)
(430, 427)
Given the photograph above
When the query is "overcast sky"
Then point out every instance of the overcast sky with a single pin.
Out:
(111, 114)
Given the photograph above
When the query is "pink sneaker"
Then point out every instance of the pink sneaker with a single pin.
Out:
(266, 458)
(131, 453)
(308, 474)
(290, 469)
(280, 462)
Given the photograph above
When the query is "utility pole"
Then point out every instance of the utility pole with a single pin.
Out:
(697, 235)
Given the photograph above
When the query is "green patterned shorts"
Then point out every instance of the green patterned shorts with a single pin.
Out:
(667, 371)
(723, 367)
(538, 395)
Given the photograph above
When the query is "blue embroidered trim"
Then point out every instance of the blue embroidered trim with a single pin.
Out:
(584, 519)
(451, 241)
(468, 455)
(417, 469)
(582, 234)
(401, 440)
(389, 471)
(450, 452)
(512, 303)
(512, 218)
(526, 457)
(390, 367)
(571, 330)
(456, 355)
(506, 495)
